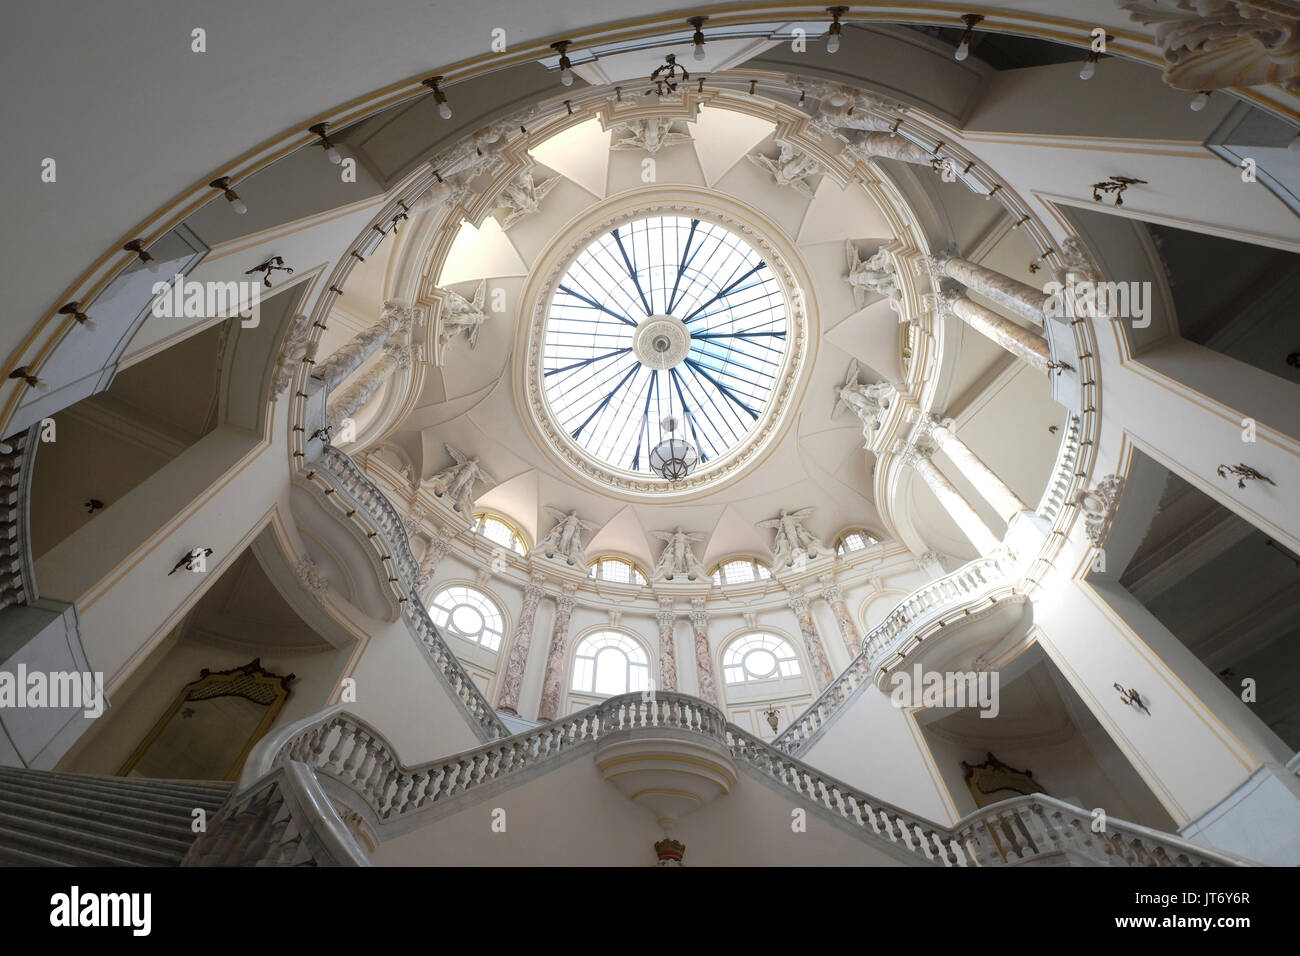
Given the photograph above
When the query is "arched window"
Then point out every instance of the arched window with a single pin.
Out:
(609, 663)
(855, 540)
(469, 614)
(758, 657)
(740, 571)
(497, 528)
(618, 570)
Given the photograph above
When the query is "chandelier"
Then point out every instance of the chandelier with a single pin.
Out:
(673, 458)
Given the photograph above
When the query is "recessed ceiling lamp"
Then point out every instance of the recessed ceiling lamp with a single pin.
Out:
(833, 35)
(673, 458)
(698, 39)
(566, 66)
(439, 96)
(963, 47)
(232, 197)
(331, 153)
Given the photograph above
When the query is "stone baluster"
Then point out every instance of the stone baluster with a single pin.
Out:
(993, 489)
(553, 682)
(394, 320)
(1023, 343)
(703, 656)
(1019, 297)
(917, 455)
(395, 357)
(812, 642)
(512, 682)
(834, 596)
(667, 618)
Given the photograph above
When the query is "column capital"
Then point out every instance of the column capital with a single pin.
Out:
(535, 588)
(798, 600)
(830, 589)
(564, 600)
(665, 615)
(399, 354)
(699, 615)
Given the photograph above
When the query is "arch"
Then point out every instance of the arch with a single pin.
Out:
(856, 538)
(863, 621)
(752, 703)
(607, 567)
(469, 612)
(755, 656)
(759, 570)
(502, 530)
(594, 667)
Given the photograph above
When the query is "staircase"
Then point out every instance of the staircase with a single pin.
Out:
(63, 819)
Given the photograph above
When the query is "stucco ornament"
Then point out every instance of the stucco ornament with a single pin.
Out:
(524, 196)
(873, 276)
(462, 315)
(868, 402)
(792, 167)
(565, 538)
(458, 481)
(793, 539)
(678, 557)
(650, 135)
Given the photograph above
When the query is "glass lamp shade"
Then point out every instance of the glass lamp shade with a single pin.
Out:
(674, 459)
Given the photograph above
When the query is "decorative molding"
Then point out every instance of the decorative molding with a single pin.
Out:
(1098, 506)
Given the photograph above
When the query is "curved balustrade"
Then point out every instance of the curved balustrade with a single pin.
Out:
(17, 583)
(800, 733)
(1057, 492)
(361, 494)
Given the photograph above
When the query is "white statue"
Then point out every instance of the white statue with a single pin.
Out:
(565, 538)
(650, 135)
(457, 482)
(792, 538)
(792, 167)
(678, 557)
(523, 197)
(868, 402)
(874, 275)
(460, 314)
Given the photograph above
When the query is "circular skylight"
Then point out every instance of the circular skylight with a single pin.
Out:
(665, 326)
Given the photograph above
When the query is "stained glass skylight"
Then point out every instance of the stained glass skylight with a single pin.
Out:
(665, 317)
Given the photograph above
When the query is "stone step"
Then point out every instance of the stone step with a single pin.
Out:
(123, 797)
(184, 788)
(168, 836)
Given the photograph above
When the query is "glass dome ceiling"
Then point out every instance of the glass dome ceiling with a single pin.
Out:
(664, 317)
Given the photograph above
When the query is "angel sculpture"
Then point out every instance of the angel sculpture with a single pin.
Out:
(874, 275)
(868, 402)
(457, 482)
(792, 167)
(651, 135)
(460, 314)
(792, 538)
(565, 538)
(524, 196)
(678, 557)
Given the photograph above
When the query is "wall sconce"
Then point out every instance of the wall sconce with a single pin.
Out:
(331, 153)
(1116, 185)
(149, 262)
(773, 718)
(1243, 474)
(833, 34)
(28, 376)
(232, 197)
(1199, 101)
(273, 264)
(669, 75)
(566, 66)
(187, 563)
(698, 39)
(92, 505)
(963, 47)
(74, 309)
(1132, 698)
(439, 96)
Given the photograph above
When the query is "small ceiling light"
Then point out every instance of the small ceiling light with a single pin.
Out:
(833, 35)
(74, 309)
(232, 197)
(963, 48)
(439, 96)
(698, 39)
(28, 376)
(1200, 101)
(1089, 65)
(566, 66)
(148, 261)
(331, 153)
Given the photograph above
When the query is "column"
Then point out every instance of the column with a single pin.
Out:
(667, 617)
(993, 489)
(833, 596)
(888, 146)
(351, 400)
(348, 357)
(1023, 343)
(1020, 297)
(703, 657)
(553, 682)
(917, 455)
(439, 544)
(512, 679)
(812, 642)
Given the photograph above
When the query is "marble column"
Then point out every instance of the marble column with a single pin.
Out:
(834, 596)
(812, 642)
(917, 455)
(703, 656)
(1020, 297)
(347, 358)
(1021, 342)
(348, 402)
(993, 489)
(553, 682)
(512, 680)
(438, 547)
(667, 618)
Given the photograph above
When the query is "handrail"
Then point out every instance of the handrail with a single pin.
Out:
(342, 473)
(1057, 492)
(17, 579)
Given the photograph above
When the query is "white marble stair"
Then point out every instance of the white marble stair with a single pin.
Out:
(61, 819)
